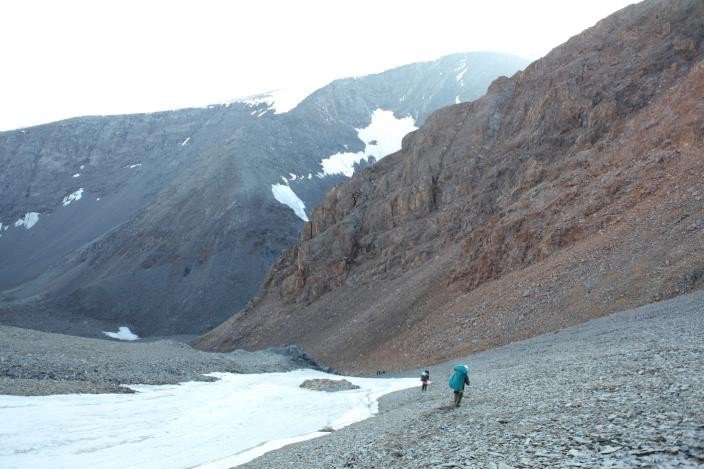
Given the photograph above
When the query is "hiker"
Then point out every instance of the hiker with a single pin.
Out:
(424, 379)
(459, 378)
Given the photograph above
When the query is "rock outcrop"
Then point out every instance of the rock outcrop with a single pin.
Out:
(568, 191)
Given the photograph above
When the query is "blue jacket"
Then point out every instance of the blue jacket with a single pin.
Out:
(459, 377)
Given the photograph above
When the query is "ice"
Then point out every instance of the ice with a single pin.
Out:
(132, 166)
(385, 129)
(81, 168)
(123, 333)
(72, 197)
(457, 99)
(257, 451)
(29, 220)
(185, 142)
(284, 194)
(77, 175)
(214, 425)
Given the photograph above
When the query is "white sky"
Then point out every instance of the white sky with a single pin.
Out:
(71, 57)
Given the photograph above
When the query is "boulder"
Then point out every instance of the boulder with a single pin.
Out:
(328, 385)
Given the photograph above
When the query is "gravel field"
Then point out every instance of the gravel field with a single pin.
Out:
(626, 390)
(39, 363)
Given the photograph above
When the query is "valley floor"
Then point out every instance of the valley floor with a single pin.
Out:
(625, 390)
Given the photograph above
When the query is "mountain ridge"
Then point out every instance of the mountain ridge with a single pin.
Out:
(172, 218)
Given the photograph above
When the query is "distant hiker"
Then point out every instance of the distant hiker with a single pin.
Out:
(424, 379)
(459, 378)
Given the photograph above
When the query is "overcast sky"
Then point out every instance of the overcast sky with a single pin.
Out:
(68, 58)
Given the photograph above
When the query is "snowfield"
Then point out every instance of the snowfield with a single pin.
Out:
(194, 424)
(381, 137)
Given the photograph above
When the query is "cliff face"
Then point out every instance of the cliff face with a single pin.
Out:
(569, 191)
(166, 222)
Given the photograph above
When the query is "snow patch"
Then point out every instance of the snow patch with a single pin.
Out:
(257, 100)
(284, 194)
(461, 70)
(29, 220)
(72, 197)
(461, 74)
(457, 99)
(77, 175)
(132, 166)
(185, 142)
(82, 166)
(123, 333)
(228, 422)
(385, 129)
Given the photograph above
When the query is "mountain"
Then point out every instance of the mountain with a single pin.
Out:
(167, 222)
(571, 190)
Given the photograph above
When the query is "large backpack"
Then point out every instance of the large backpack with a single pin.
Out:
(457, 379)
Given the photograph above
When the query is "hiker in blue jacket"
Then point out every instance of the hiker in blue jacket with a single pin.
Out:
(459, 378)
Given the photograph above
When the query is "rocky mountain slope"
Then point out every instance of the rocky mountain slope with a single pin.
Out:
(568, 191)
(168, 222)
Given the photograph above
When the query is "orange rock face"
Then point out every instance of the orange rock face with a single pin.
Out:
(571, 190)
